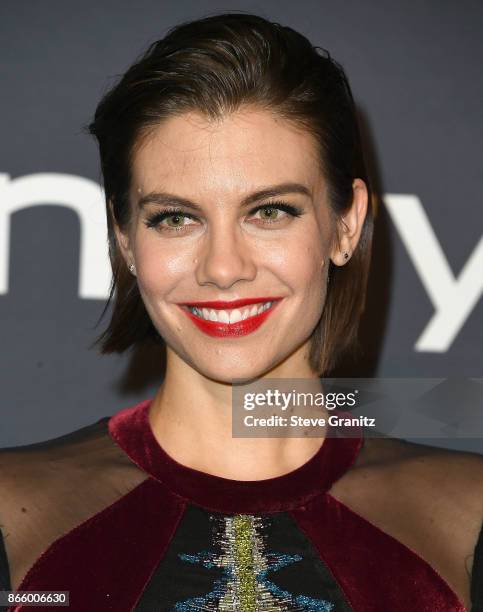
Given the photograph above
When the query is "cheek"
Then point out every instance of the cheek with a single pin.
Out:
(159, 268)
(303, 262)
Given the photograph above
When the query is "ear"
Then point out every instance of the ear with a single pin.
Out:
(123, 240)
(350, 226)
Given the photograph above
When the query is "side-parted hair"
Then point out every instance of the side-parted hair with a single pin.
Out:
(214, 66)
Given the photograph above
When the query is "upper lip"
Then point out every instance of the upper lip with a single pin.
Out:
(233, 304)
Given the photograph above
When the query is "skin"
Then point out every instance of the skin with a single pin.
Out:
(227, 253)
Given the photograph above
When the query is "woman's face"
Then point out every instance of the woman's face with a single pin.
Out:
(230, 243)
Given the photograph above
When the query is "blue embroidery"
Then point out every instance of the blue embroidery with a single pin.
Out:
(245, 563)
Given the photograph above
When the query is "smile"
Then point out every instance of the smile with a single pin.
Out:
(222, 322)
(230, 316)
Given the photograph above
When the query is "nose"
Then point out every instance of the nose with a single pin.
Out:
(225, 258)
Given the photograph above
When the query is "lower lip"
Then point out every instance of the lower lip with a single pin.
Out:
(223, 330)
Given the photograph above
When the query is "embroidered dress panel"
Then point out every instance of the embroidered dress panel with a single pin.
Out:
(241, 562)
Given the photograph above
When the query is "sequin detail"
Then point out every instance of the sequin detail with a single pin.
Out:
(239, 549)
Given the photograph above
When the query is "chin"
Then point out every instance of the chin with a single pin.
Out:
(227, 374)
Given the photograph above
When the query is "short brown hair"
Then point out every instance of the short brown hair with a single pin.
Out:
(213, 66)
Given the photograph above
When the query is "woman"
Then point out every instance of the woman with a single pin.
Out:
(235, 189)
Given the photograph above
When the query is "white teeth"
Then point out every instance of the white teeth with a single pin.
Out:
(230, 316)
(235, 316)
(223, 316)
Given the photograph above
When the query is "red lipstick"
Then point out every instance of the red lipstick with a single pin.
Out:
(240, 328)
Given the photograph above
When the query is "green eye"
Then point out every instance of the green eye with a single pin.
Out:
(176, 216)
(172, 220)
(158, 220)
(272, 212)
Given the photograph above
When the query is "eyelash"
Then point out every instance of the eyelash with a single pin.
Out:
(155, 219)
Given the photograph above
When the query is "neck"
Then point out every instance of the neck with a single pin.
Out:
(191, 418)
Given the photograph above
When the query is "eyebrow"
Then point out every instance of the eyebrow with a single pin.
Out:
(167, 199)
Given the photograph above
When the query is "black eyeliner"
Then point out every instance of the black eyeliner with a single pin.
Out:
(156, 218)
(295, 211)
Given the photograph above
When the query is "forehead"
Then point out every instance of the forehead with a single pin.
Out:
(235, 154)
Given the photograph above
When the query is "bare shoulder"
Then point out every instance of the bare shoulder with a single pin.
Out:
(21, 477)
(26, 464)
(42, 474)
(437, 485)
(429, 498)
(48, 488)
(19, 472)
(454, 478)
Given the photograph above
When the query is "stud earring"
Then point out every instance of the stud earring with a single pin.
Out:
(132, 268)
(346, 255)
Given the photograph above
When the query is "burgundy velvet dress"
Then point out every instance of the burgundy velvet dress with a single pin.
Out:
(110, 517)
